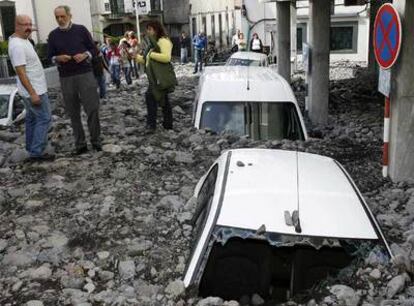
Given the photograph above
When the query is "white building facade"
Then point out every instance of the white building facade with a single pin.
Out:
(42, 14)
(218, 19)
(349, 24)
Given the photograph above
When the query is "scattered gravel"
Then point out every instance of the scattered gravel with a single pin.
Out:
(110, 228)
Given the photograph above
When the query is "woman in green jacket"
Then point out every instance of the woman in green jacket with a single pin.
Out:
(160, 52)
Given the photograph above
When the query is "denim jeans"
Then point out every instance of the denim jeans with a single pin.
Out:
(102, 85)
(37, 122)
(199, 55)
(127, 73)
(184, 55)
(116, 75)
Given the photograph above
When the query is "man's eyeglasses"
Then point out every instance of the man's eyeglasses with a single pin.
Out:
(25, 24)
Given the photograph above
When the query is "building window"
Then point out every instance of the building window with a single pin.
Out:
(204, 24)
(344, 37)
(107, 7)
(213, 27)
(300, 36)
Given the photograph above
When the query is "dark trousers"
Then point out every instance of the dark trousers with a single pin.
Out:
(152, 111)
(80, 90)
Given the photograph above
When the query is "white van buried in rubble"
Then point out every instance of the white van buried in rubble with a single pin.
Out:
(11, 103)
(276, 223)
(252, 101)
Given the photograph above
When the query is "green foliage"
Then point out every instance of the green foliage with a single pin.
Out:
(41, 50)
(4, 47)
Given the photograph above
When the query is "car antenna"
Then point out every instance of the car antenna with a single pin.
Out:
(248, 77)
(295, 214)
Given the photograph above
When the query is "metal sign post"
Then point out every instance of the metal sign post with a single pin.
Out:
(137, 20)
(387, 45)
(142, 7)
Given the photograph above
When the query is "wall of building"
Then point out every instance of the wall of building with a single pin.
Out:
(42, 12)
(355, 16)
(204, 10)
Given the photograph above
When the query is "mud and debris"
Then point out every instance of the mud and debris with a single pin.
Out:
(113, 227)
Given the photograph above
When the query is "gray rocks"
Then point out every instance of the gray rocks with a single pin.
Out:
(211, 301)
(18, 259)
(396, 284)
(126, 269)
(34, 303)
(345, 295)
(175, 289)
(41, 273)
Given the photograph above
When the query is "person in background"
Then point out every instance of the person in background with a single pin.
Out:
(114, 58)
(241, 43)
(256, 44)
(160, 49)
(98, 66)
(200, 45)
(72, 48)
(31, 83)
(134, 43)
(125, 59)
(185, 45)
(235, 38)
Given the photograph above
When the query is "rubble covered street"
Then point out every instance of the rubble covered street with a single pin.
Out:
(112, 228)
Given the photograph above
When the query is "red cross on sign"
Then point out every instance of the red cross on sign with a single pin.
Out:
(387, 36)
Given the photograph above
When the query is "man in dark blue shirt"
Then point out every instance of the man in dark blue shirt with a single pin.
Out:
(71, 47)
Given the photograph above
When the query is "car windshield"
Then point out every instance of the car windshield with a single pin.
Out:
(243, 62)
(259, 120)
(4, 105)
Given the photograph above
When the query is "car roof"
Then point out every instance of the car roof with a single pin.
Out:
(244, 83)
(255, 56)
(262, 184)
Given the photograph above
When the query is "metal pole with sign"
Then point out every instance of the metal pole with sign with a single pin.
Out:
(387, 45)
(137, 20)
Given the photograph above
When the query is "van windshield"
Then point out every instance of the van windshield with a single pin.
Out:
(259, 120)
(243, 62)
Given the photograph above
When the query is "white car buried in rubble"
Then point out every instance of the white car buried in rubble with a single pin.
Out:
(252, 101)
(11, 104)
(247, 58)
(275, 223)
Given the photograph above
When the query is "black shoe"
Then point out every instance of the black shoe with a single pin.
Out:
(194, 72)
(97, 148)
(42, 158)
(79, 151)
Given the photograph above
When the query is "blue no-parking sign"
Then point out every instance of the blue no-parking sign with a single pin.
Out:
(387, 36)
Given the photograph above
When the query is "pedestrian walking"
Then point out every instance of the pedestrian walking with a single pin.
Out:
(126, 59)
(185, 45)
(133, 42)
(256, 44)
(200, 45)
(114, 58)
(31, 84)
(161, 76)
(234, 39)
(71, 47)
(99, 65)
(241, 43)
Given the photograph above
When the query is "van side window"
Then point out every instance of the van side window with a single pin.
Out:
(204, 200)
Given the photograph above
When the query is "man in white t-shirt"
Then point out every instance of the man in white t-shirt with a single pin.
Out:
(31, 83)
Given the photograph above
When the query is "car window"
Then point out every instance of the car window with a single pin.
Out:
(259, 120)
(18, 106)
(4, 106)
(204, 200)
(243, 62)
